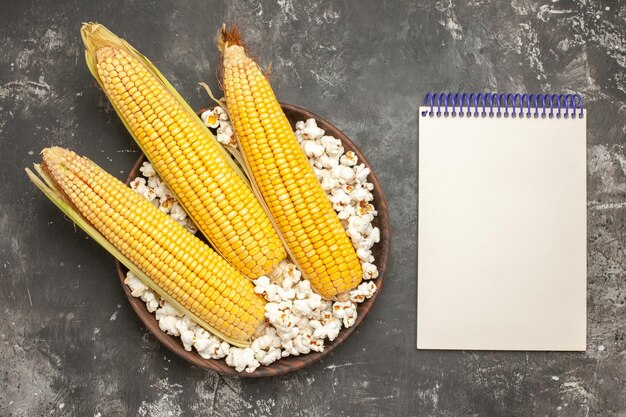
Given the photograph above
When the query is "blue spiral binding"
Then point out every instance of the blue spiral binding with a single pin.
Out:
(483, 105)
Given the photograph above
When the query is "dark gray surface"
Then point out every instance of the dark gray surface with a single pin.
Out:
(69, 342)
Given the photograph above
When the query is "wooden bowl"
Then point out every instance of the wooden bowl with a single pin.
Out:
(291, 363)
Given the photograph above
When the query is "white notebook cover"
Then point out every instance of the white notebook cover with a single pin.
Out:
(501, 233)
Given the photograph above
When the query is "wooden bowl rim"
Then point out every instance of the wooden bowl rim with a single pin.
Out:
(291, 363)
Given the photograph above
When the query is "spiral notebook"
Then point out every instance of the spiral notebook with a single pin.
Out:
(502, 222)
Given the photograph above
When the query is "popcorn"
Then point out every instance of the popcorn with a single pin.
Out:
(286, 333)
(298, 320)
(286, 294)
(307, 306)
(329, 330)
(150, 194)
(366, 211)
(320, 173)
(361, 172)
(168, 325)
(209, 346)
(370, 271)
(329, 183)
(147, 170)
(340, 198)
(302, 289)
(226, 129)
(152, 303)
(363, 254)
(327, 162)
(311, 131)
(223, 139)
(162, 191)
(361, 194)
(276, 276)
(217, 118)
(365, 243)
(288, 282)
(137, 287)
(345, 311)
(188, 339)
(293, 272)
(267, 347)
(304, 343)
(349, 159)
(167, 310)
(153, 182)
(303, 323)
(193, 335)
(241, 359)
(202, 340)
(268, 340)
(226, 134)
(263, 286)
(333, 146)
(220, 113)
(282, 318)
(312, 149)
(375, 234)
(268, 357)
(364, 291)
(222, 350)
(177, 213)
(359, 225)
(166, 204)
(346, 212)
(346, 174)
(210, 119)
(139, 185)
(185, 324)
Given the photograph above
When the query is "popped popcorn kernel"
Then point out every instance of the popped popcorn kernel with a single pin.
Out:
(364, 291)
(370, 271)
(345, 311)
(349, 159)
(242, 359)
(210, 119)
(147, 170)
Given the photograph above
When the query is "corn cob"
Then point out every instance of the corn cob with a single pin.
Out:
(171, 260)
(310, 227)
(203, 177)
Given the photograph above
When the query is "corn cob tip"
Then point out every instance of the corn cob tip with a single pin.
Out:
(55, 159)
(100, 43)
(228, 37)
(95, 36)
(234, 52)
(235, 56)
(87, 27)
(104, 53)
(54, 154)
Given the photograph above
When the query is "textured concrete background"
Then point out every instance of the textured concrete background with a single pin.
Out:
(69, 342)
